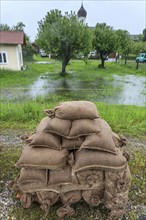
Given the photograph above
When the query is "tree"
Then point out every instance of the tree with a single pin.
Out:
(65, 36)
(138, 47)
(4, 27)
(19, 27)
(125, 43)
(105, 41)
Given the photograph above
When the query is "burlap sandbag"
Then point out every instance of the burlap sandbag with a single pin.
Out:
(74, 110)
(93, 197)
(58, 126)
(119, 141)
(89, 159)
(117, 186)
(43, 158)
(118, 182)
(36, 186)
(30, 186)
(71, 197)
(64, 188)
(65, 211)
(43, 139)
(26, 200)
(71, 144)
(82, 127)
(116, 202)
(91, 177)
(60, 176)
(46, 199)
(43, 123)
(41, 126)
(30, 174)
(103, 140)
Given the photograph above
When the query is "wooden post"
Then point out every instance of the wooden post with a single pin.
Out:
(137, 65)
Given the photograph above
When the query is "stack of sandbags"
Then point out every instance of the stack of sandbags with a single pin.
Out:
(74, 155)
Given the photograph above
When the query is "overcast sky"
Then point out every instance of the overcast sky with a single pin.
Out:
(128, 15)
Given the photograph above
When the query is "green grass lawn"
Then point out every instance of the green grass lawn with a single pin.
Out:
(86, 71)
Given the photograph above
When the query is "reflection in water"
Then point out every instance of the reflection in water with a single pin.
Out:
(126, 89)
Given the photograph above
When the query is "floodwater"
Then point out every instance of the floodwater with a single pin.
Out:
(127, 90)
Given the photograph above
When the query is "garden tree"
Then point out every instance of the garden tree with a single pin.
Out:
(125, 43)
(19, 26)
(4, 27)
(105, 41)
(138, 47)
(64, 35)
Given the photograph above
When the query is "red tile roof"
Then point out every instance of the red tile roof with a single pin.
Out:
(12, 37)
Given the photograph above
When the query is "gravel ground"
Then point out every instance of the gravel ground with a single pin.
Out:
(13, 138)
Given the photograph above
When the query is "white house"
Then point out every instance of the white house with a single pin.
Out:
(11, 49)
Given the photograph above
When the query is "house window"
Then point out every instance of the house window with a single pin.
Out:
(3, 58)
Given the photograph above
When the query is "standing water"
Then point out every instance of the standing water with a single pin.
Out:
(127, 90)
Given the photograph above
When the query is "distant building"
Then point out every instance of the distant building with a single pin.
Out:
(11, 49)
(82, 13)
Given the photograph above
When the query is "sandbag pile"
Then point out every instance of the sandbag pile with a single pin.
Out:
(74, 155)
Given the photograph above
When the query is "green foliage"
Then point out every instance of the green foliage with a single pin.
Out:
(105, 41)
(18, 27)
(139, 47)
(4, 27)
(28, 51)
(65, 36)
(125, 43)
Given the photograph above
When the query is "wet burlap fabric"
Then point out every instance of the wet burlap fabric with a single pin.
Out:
(74, 155)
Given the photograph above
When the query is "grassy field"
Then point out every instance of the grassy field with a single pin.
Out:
(86, 71)
(124, 119)
(24, 116)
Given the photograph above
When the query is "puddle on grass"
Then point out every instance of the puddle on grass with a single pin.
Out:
(133, 89)
(128, 90)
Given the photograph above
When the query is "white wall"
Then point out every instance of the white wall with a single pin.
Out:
(14, 57)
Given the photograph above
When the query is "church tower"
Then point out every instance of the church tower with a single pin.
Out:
(82, 13)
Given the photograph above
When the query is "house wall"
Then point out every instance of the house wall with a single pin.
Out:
(14, 57)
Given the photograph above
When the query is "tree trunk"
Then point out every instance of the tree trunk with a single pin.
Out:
(126, 57)
(102, 60)
(101, 65)
(64, 64)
